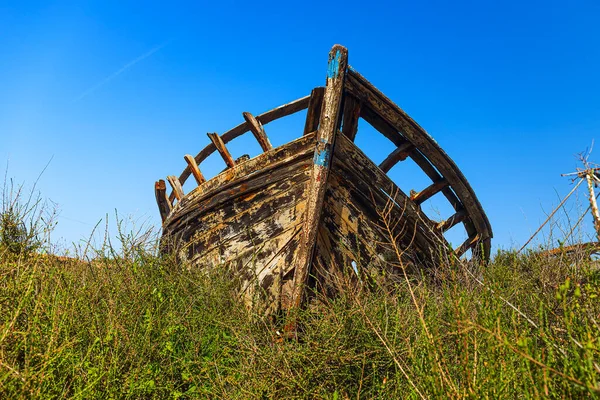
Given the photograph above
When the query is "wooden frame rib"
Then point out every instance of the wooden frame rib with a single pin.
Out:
(448, 224)
(193, 166)
(401, 153)
(258, 131)
(164, 205)
(350, 117)
(220, 146)
(176, 185)
(314, 110)
(397, 126)
(467, 244)
(429, 191)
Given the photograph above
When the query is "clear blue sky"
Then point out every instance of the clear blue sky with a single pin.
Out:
(117, 92)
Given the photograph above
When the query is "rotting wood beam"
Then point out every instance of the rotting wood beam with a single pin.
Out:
(401, 153)
(164, 205)
(328, 126)
(314, 110)
(193, 166)
(429, 191)
(467, 244)
(218, 142)
(455, 219)
(351, 115)
(258, 131)
(176, 185)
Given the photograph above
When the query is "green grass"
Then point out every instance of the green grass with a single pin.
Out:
(142, 327)
(131, 324)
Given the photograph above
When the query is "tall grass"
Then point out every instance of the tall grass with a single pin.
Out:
(128, 323)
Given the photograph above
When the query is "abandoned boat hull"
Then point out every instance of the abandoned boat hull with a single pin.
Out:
(249, 220)
(302, 214)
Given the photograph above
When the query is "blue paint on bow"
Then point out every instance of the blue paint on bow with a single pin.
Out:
(333, 69)
(321, 157)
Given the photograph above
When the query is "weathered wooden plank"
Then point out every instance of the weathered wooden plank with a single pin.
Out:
(399, 154)
(351, 234)
(429, 191)
(328, 126)
(257, 228)
(467, 244)
(350, 116)
(164, 205)
(287, 158)
(375, 191)
(258, 131)
(222, 149)
(458, 217)
(261, 201)
(263, 273)
(183, 219)
(274, 278)
(280, 208)
(193, 166)
(250, 240)
(176, 185)
(269, 116)
(314, 110)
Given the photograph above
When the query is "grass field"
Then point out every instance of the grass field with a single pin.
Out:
(132, 324)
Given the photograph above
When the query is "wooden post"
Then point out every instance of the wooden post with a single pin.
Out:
(328, 126)
(164, 205)
(590, 181)
(258, 130)
(193, 166)
(218, 142)
(176, 185)
(314, 110)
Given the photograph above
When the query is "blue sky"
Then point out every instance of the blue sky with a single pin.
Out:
(115, 93)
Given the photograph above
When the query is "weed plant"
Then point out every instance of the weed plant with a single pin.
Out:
(129, 323)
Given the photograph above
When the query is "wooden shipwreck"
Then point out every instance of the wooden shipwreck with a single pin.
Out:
(296, 216)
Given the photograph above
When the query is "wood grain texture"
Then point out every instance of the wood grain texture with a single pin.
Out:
(399, 154)
(350, 117)
(429, 191)
(328, 127)
(249, 222)
(164, 205)
(193, 166)
(314, 110)
(456, 218)
(222, 149)
(176, 186)
(258, 131)
(317, 210)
